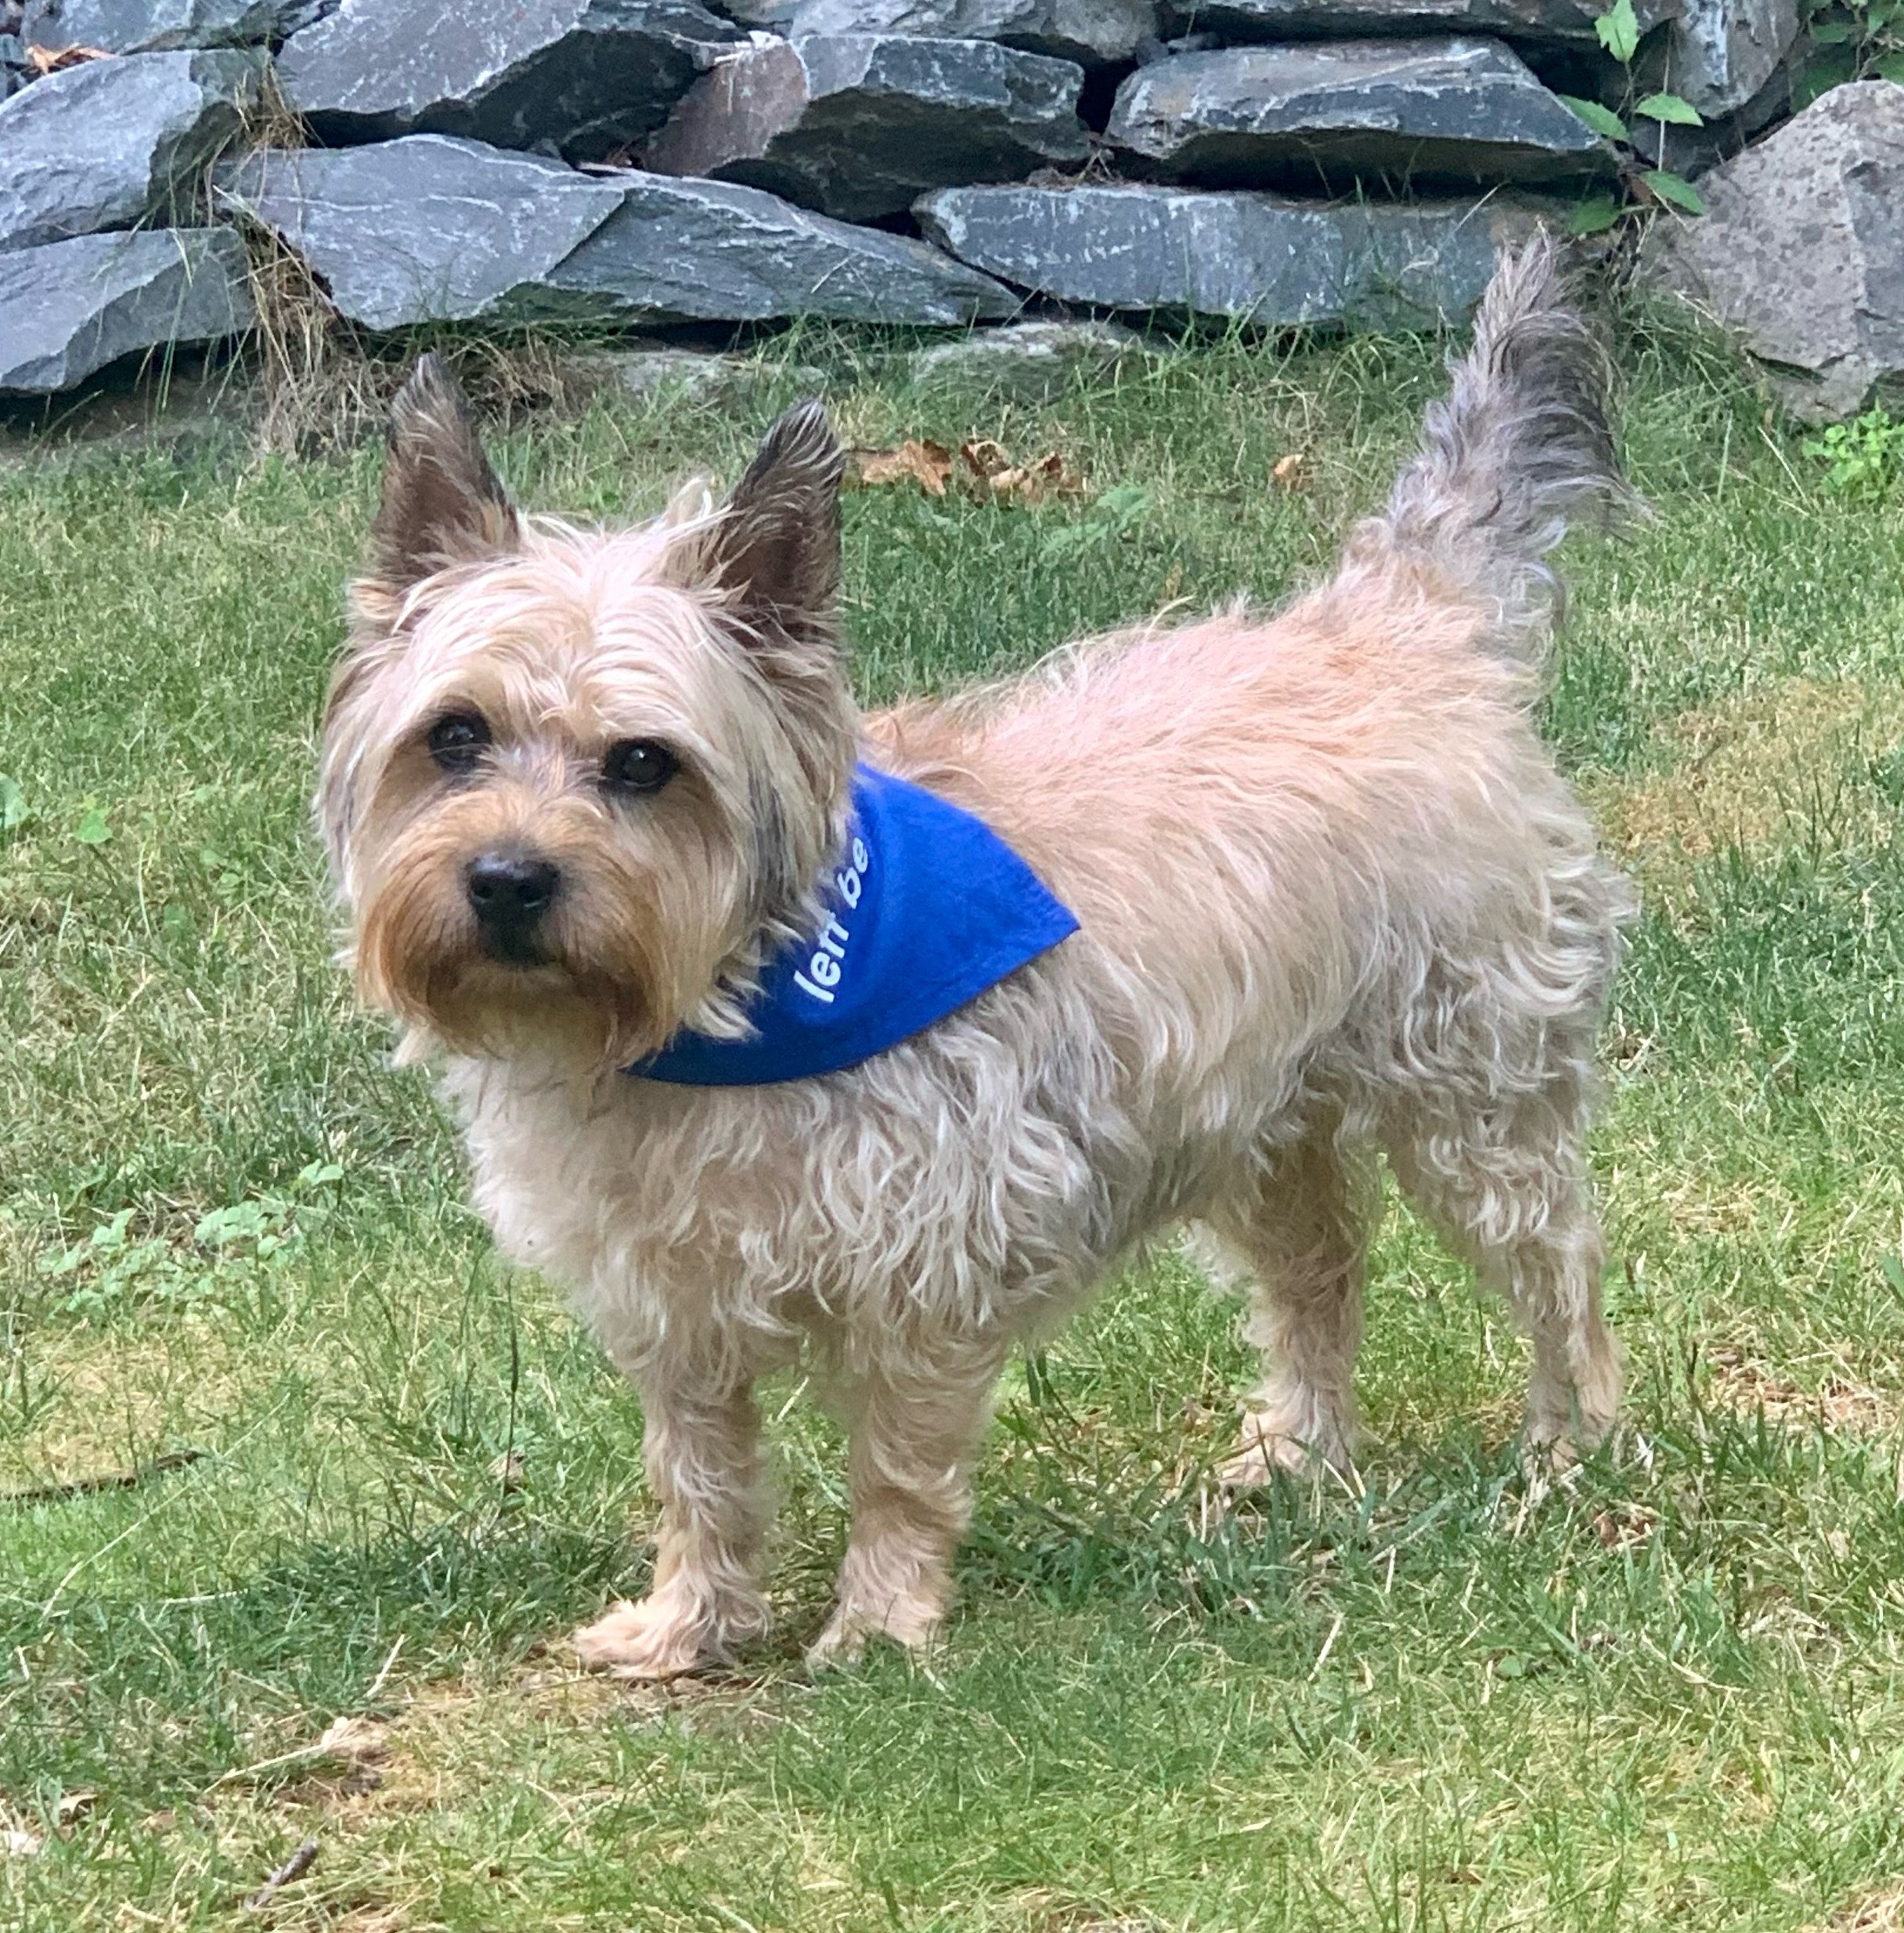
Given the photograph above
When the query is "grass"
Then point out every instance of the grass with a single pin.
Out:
(1668, 1694)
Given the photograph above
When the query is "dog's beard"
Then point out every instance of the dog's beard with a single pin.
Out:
(608, 979)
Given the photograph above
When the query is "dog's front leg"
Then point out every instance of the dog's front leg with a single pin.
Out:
(702, 1450)
(915, 1433)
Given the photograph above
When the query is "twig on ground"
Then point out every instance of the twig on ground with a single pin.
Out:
(112, 1479)
(294, 1868)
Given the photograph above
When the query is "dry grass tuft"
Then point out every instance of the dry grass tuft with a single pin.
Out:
(1748, 771)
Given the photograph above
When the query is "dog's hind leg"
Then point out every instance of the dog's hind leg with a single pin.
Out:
(1506, 1186)
(915, 1433)
(1302, 1233)
(705, 1465)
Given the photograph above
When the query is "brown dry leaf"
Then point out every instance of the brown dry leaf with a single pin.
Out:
(353, 1741)
(1624, 1526)
(1288, 474)
(1033, 482)
(929, 465)
(51, 60)
(984, 458)
(73, 1807)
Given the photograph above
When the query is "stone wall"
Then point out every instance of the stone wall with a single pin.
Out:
(647, 164)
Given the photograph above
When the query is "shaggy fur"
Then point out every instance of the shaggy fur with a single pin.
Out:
(1335, 900)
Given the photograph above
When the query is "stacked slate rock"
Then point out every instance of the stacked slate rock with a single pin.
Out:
(657, 164)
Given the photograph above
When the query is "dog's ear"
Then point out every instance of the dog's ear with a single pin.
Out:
(776, 547)
(442, 504)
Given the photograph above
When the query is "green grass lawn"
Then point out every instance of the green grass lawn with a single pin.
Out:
(1666, 1693)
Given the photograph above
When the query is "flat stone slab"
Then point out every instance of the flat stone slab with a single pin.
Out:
(1448, 109)
(1029, 361)
(1094, 33)
(1801, 250)
(715, 251)
(146, 27)
(1541, 22)
(1258, 258)
(860, 125)
(108, 143)
(1721, 54)
(432, 228)
(592, 76)
(427, 228)
(69, 308)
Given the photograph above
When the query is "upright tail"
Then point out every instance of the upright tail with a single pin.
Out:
(1519, 447)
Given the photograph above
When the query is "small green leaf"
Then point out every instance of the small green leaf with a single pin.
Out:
(1893, 1272)
(1889, 67)
(1670, 107)
(1618, 28)
(1603, 121)
(1834, 33)
(1594, 217)
(14, 811)
(92, 829)
(1674, 188)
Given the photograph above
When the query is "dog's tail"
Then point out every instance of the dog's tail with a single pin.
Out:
(1520, 446)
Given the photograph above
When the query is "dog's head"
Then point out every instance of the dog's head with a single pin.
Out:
(575, 783)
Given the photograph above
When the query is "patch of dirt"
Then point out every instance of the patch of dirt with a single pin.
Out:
(1746, 772)
(1841, 1405)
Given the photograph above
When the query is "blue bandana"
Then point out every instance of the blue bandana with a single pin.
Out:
(927, 908)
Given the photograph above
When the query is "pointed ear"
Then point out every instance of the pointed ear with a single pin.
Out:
(776, 548)
(442, 504)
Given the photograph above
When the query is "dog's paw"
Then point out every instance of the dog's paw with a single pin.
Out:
(649, 1640)
(1264, 1454)
(911, 1626)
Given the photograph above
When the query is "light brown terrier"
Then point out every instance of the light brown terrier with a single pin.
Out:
(1335, 901)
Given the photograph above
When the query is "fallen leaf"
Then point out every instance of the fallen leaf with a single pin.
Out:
(1033, 482)
(1622, 1526)
(16, 1843)
(509, 1471)
(51, 60)
(929, 465)
(1288, 474)
(74, 1806)
(983, 457)
(353, 1740)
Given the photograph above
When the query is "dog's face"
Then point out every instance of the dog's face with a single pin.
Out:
(575, 784)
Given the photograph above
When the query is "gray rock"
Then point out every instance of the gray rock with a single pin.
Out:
(1442, 109)
(860, 125)
(112, 142)
(1721, 53)
(1801, 250)
(1258, 257)
(431, 229)
(69, 308)
(769, 15)
(12, 64)
(1094, 33)
(1029, 361)
(145, 26)
(1540, 23)
(592, 76)
(714, 251)
(428, 229)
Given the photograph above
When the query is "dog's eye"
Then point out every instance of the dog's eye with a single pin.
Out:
(457, 742)
(638, 765)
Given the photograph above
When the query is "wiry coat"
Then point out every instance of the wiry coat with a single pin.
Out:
(1333, 898)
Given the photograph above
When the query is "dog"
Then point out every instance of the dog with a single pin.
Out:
(1331, 901)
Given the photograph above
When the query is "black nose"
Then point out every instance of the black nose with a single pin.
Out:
(510, 892)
